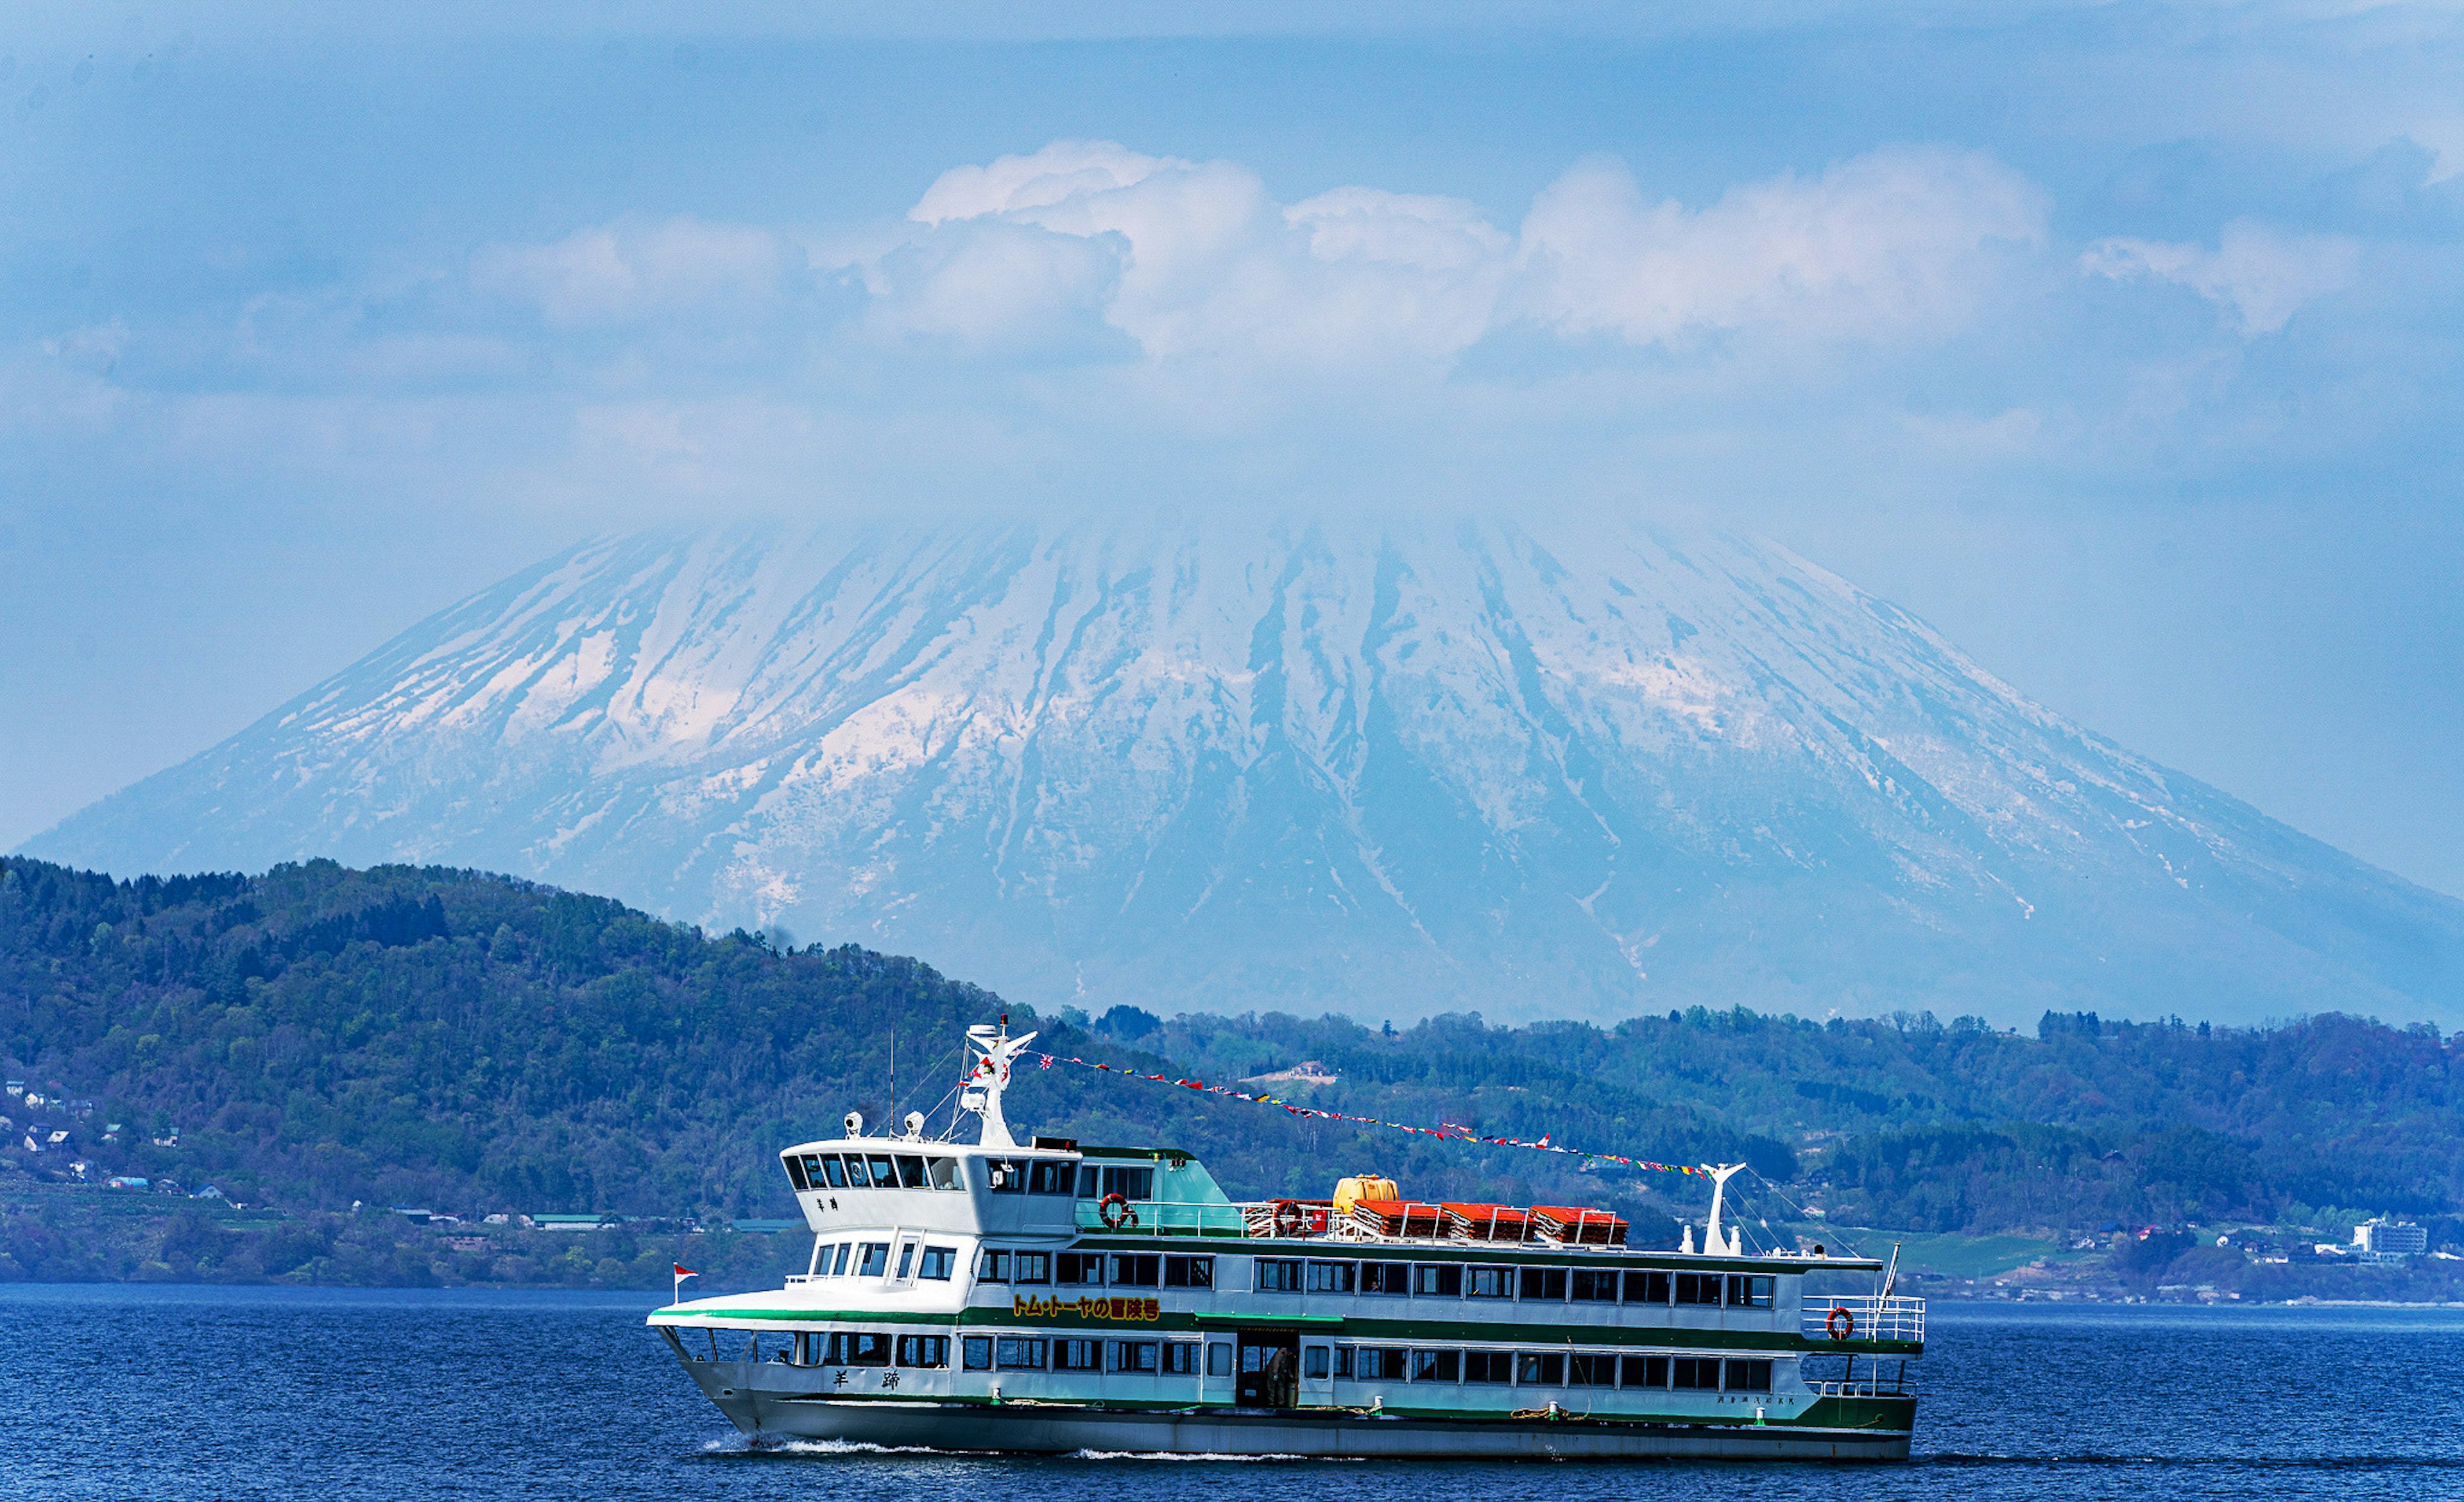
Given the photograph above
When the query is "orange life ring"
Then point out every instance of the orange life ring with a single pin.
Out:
(1841, 1324)
(1114, 1211)
(1290, 1220)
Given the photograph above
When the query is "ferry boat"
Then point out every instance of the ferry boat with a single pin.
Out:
(1056, 1297)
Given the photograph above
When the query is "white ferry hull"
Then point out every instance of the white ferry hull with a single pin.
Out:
(1042, 1428)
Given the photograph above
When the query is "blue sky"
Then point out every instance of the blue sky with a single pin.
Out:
(2122, 342)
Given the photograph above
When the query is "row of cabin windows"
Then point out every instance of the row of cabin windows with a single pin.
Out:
(870, 1348)
(1033, 1176)
(1096, 1269)
(1552, 1285)
(872, 1171)
(1538, 1368)
(1318, 1362)
(811, 1171)
(871, 1259)
(1073, 1354)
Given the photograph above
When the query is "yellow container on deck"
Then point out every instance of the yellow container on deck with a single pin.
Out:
(1349, 1192)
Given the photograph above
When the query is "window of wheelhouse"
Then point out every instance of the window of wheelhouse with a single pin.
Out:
(911, 1171)
(941, 1173)
(821, 1167)
(796, 1172)
(884, 1170)
(1004, 1176)
(856, 1177)
(1044, 1176)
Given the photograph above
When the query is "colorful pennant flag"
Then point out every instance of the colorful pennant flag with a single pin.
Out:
(1446, 1131)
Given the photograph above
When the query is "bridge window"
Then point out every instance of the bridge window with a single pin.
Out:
(856, 1177)
(1278, 1275)
(923, 1350)
(1436, 1366)
(1044, 1176)
(939, 1263)
(1489, 1283)
(1082, 1269)
(1331, 1277)
(885, 1173)
(1005, 1175)
(796, 1173)
(1589, 1285)
(911, 1171)
(1020, 1353)
(1130, 1184)
(820, 1167)
(1644, 1370)
(1698, 1287)
(1544, 1283)
(1748, 1375)
(1749, 1292)
(1440, 1279)
(942, 1173)
(1541, 1369)
(1646, 1287)
(1488, 1366)
(1694, 1374)
(1189, 1272)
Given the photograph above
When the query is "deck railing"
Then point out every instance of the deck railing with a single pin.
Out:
(1163, 1218)
(1897, 1319)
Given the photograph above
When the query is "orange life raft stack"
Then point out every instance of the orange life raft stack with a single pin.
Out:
(1413, 1218)
(1487, 1222)
(1578, 1228)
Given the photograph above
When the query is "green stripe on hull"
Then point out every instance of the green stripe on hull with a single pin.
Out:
(1373, 1330)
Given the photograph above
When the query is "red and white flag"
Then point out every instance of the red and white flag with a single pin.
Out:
(682, 1272)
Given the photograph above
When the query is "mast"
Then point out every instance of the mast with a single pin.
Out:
(981, 1094)
(1711, 1238)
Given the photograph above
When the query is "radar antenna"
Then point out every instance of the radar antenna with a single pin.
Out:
(981, 1094)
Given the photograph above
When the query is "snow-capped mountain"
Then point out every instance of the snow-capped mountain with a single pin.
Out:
(1380, 770)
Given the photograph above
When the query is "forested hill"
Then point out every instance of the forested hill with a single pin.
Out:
(318, 1035)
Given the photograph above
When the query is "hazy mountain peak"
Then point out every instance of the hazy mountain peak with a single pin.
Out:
(1377, 768)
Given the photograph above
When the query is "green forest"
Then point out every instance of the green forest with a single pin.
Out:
(316, 1037)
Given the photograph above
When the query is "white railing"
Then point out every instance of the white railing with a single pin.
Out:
(1866, 1319)
(1160, 1217)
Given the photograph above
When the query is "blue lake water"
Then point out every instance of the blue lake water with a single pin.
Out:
(258, 1393)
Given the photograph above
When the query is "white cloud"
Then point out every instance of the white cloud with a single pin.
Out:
(1197, 262)
(2259, 276)
(625, 271)
(1890, 242)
